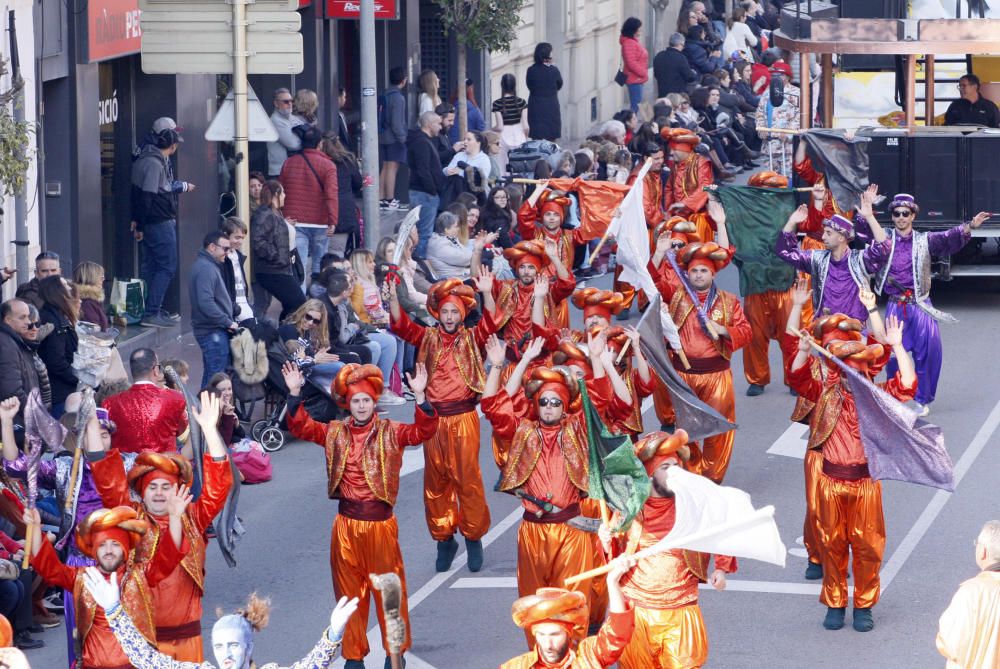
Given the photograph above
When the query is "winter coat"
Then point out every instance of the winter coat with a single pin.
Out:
(673, 73)
(211, 307)
(29, 293)
(269, 242)
(56, 351)
(310, 194)
(349, 184)
(696, 52)
(153, 194)
(635, 60)
(425, 163)
(393, 121)
(17, 368)
(92, 306)
(277, 152)
(544, 118)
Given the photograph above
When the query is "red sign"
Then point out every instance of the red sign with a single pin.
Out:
(351, 9)
(304, 3)
(112, 29)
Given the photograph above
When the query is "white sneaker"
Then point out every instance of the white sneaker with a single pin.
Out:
(922, 409)
(390, 398)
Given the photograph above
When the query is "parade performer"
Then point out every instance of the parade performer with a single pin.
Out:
(669, 630)
(711, 330)
(849, 502)
(364, 455)
(906, 279)
(598, 307)
(454, 498)
(232, 635)
(177, 598)
(689, 174)
(631, 383)
(556, 621)
(110, 537)
(838, 272)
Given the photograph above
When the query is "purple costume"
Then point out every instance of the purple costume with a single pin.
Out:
(906, 281)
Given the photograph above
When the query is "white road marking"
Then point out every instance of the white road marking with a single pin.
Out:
(413, 461)
(734, 585)
(906, 547)
(798, 552)
(792, 442)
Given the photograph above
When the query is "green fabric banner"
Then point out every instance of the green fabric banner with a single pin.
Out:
(754, 218)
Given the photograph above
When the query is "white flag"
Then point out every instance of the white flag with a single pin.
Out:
(719, 520)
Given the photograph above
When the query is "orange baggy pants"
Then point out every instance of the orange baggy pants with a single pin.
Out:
(850, 518)
(768, 315)
(810, 527)
(716, 390)
(454, 498)
(598, 598)
(667, 639)
(359, 548)
(183, 650)
(662, 403)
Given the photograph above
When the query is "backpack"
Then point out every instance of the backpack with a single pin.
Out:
(521, 161)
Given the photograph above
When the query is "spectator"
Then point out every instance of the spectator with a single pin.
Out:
(741, 83)
(447, 255)
(474, 116)
(686, 116)
(493, 150)
(445, 147)
(154, 217)
(635, 60)
(671, 69)
(392, 136)
(271, 246)
(343, 133)
(349, 183)
(229, 423)
(46, 264)
(430, 85)
(786, 116)
(563, 164)
(149, 417)
(459, 208)
(472, 214)
(630, 120)
(366, 300)
(211, 307)
(760, 73)
(510, 119)
(475, 168)
(34, 335)
(284, 120)
(305, 106)
(306, 336)
(413, 302)
(699, 54)
(615, 132)
(711, 35)
(61, 309)
(232, 268)
(181, 369)
(544, 81)
(310, 183)
(347, 336)
(15, 598)
(426, 176)
(497, 217)
(739, 37)
(89, 280)
(972, 107)
(686, 19)
(256, 182)
(18, 376)
(969, 627)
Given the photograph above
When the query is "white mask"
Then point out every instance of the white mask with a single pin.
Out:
(232, 643)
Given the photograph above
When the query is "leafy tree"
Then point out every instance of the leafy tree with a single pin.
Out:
(14, 139)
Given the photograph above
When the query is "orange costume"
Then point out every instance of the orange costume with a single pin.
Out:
(454, 498)
(710, 376)
(687, 182)
(626, 417)
(362, 466)
(177, 598)
(569, 609)
(849, 502)
(652, 206)
(121, 524)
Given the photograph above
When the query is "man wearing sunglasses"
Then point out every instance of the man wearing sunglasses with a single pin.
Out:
(906, 280)
(284, 120)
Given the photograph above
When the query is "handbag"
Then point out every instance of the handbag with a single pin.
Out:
(298, 269)
(620, 77)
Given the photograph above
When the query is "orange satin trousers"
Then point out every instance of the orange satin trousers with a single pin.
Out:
(501, 447)
(628, 291)
(184, 650)
(598, 598)
(810, 528)
(359, 548)
(768, 316)
(703, 226)
(716, 390)
(667, 639)
(454, 498)
(850, 518)
(663, 405)
(549, 553)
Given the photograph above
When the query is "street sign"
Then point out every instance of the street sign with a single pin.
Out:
(351, 9)
(186, 6)
(259, 128)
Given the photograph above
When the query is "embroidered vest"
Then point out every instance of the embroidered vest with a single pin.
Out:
(820, 261)
(193, 563)
(381, 458)
(509, 301)
(135, 597)
(824, 415)
(467, 356)
(681, 308)
(526, 449)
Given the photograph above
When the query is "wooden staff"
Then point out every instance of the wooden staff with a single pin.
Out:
(621, 355)
(782, 131)
(520, 180)
(29, 532)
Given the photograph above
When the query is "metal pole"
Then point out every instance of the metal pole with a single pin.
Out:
(240, 126)
(929, 89)
(369, 124)
(911, 89)
(20, 198)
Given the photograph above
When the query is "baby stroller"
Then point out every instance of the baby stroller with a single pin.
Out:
(252, 350)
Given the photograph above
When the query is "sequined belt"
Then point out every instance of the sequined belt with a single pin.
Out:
(358, 510)
(179, 632)
(570, 512)
(701, 365)
(846, 472)
(456, 408)
(905, 298)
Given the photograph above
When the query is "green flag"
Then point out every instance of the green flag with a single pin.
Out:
(754, 218)
(616, 474)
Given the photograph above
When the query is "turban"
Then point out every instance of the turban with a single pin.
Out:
(150, 466)
(595, 302)
(680, 138)
(768, 179)
(531, 251)
(840, 224)
(656, 447)
(556, 203)
(836, 327)
(353, 379)
(572, 354)
(841, 336)
(616, 339)
(120, 524)
(450, 291)
(559, 380)
(707, 254)
(679, 228)
(904, 200)
(553, 605)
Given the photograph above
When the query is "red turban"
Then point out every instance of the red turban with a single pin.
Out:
(598, 302)
(656, 447)
(120, 524)
(680, 138)
(553, 605)
(707, 254)
(556, 203)
(353, 379)
(150, 466)
(530, 251)
(450, 291)
(553, 379)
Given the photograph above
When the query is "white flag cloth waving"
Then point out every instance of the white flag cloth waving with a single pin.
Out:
(719, 520)
(630, 232)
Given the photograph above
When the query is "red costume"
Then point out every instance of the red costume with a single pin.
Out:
(149, 418)
(177, 598)
(362, 465)
(686, 185)
(100, 647)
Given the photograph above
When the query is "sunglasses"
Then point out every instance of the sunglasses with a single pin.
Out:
(315, 321)
(33, 325)
(902, 213)
(676, 245)
(550, 402)
(284, 102)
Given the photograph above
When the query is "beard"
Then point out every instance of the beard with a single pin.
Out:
(661, 490)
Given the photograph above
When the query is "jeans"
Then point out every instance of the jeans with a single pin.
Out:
(323, 375)
(634, 96)
(159, 263)
(283, 287)
(425, 224)
(311, 243)
(214, 354)
(387, 351)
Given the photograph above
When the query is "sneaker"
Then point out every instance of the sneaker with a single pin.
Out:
(172, 316)
(24, 641)
(834, 618)
(383, 204)
(390, 398)
(814, 571)
(863, 621)
(46, 620)
(53, 602)
(157, 321)
(755, 389)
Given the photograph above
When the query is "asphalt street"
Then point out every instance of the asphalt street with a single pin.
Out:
(768, 617)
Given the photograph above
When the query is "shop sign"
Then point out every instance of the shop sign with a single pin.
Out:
(112, 29)
(107, 110)
(351, 9)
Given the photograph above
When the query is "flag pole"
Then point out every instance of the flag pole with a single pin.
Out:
(604, 237)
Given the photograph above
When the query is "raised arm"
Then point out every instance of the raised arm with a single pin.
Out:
(539, 297)
(868, 198)
(300, 423)
(875, 324)
(552, 251)
(894, 338)
(484, 281)
(787, 247)
(641, 364)
(8, 409)
(531, 352)
(496, 358)
(718, 214)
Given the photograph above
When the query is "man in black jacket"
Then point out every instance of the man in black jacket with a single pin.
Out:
(18, 376)
(211, 307)
(233, 272)
(346, 333)
(426, 176)
(671, 68)
(445, 147)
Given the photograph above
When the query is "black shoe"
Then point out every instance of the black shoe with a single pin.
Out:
(755, 389)
(446, 554)
(25, 641)
(667, 427)
(475, 551)
(355, 664)
(814, 571)
(791, 391)
(388, 662)
(863, 620)
(624, 315)
(834, 618)
(36, 629)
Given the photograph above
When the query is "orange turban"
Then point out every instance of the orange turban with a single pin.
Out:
(555, 379)
(556, 203)
(120, 524)
(596, 302)
(708, 254)
(841, 335)
(553, 605)
(616, 339)
(571, 354)
(450, 291)
(656, 447)
(680, 138)
(679, 228)
(530, 251)
(836, 327)
(768, 179)
(150, 466)
(353, 379)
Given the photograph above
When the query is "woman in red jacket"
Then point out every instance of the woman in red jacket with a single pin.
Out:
(635, 60)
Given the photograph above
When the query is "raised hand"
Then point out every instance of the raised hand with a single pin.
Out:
(979, 219)
(867, 298)
(534, 349)
(551, 249)
(211, 410)
(798, 216)
(805, 341)
(716, 210)
(893, 331)
(662, 245)
(496, 350)
(801, 292)
(868, 198)
(293, 377)
(9, 407)
(418, 381)
(596, 345)
(178, 500)
(484, 280)
(819, 191)
(633, 334)
(104, 591)
(341, 615)
(541, 289)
